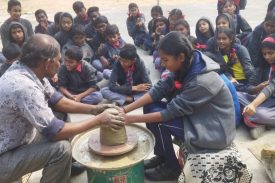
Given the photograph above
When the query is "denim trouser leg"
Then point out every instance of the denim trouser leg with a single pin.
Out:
(113, 96)
(93, 98)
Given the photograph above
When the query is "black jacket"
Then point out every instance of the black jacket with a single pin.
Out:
(118, 77)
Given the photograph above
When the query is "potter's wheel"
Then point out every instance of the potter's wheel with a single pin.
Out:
(82, 153)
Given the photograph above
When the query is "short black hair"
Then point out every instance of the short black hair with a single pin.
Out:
(132, 5)
(111, 30)
(66, 14)
(128, 51)
(157, 9)
(39, 11)
(78, 29)
(101, 19)
(12, 51)
(78, 6)
(91, 10)
(57, 17)
(13, 3)
(74, 52)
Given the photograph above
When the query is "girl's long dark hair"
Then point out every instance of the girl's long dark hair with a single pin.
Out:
(173, 44)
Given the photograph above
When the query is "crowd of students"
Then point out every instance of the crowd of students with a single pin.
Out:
(92, 49)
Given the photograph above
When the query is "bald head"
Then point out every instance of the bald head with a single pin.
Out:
(39, 48)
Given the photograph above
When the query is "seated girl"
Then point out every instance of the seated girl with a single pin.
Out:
(233, 59)
(259, 112)
(260, 32)
(242, 27)
(199, 109)
(204, 31)
(161, 28)
(223, 20)
(136, 25)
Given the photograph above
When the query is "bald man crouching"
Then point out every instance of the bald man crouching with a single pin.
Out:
(25, 97)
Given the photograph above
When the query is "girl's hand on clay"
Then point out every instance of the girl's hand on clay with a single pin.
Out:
(112, 119)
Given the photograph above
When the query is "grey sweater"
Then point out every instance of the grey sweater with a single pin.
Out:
(5, 30)
(205, 106)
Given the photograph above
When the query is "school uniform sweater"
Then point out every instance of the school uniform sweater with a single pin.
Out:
(118, 79)
(11, 40)
(81, 21)
(108, 51)
(78, 80)
(39, 29)
(201, 39)
(270, 89)
(52, 29)
(87, 51)
(5, 29)
(63, 37)
(242, 27)
(134, 30)
(243, 59)
(254, 45)
(203, 102)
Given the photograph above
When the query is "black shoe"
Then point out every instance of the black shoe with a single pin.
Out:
(77, 169)
(162, 173)
(153, 162)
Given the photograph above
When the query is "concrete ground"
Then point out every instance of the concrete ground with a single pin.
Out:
(116, 11)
